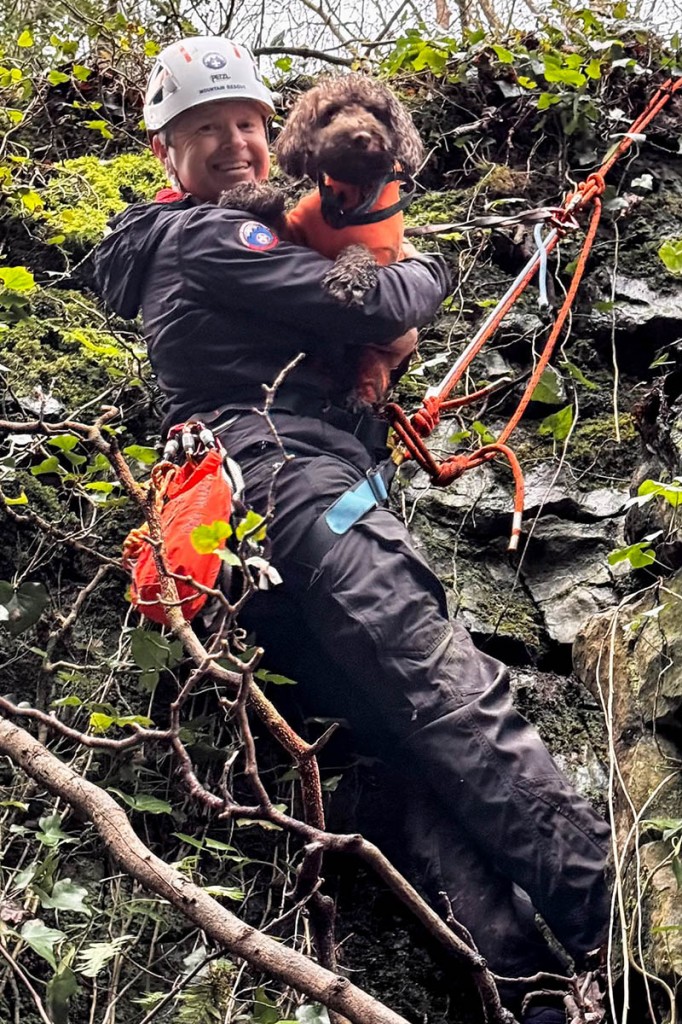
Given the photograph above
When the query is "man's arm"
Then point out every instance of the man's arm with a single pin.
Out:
(241, 268)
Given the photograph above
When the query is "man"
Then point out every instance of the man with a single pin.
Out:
(360, 620)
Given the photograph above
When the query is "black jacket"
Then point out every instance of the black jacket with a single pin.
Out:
(226, 306)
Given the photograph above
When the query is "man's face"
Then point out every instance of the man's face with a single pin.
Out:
(216, 146)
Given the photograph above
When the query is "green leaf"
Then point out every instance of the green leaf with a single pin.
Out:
(25, 40)
(61, 986)
(22, 607)
(547, 99)
(17, 279)
(55, 77)
(558, 425)
(284, 64)
(144, 803)
(577, 374)
(150, 650)
(620, 10)
(671, 254)
(80, 72)
(222, 890)
(483, 432)
(65, 895)
(272, 677)
(503, 55)
(42, 940)
(527, 83)
(96, 956)
(593, 69)
(638, 555)
(48, 465)
(65, 442)
(264, 1009)
(205, 539)
(68, 702)
(100, 126)
(21, 500)
(148, 456)
(15, 116)
(548, 388)
(672, 493)
(51, 833)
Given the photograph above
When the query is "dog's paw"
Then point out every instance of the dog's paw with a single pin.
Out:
(355, 272)
(262, 200)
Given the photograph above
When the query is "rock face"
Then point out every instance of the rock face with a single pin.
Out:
(630, 659)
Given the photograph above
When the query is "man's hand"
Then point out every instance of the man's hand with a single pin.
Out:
(407, 250)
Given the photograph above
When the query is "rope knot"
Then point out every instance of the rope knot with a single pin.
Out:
(594, 184)
(426, 419)
(451, 469)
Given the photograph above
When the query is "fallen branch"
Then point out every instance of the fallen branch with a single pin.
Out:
(241, 940)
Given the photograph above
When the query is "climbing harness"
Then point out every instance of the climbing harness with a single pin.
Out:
(199, 491)
(411, 431)
(338, 216)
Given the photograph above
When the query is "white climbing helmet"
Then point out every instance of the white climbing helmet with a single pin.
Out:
(199, 69)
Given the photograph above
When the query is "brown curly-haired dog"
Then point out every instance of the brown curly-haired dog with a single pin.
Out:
(351, 127)
(353, 132)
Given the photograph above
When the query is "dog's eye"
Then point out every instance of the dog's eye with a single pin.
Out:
(327, 115)
(380, 113)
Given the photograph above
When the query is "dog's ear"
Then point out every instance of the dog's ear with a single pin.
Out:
(292, 146)
(409, 148)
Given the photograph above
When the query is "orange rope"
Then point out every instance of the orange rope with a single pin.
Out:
(411, 432)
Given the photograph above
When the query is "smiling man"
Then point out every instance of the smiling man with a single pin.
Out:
(359, 619)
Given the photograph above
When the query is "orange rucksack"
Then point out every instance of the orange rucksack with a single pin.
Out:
(194, 494)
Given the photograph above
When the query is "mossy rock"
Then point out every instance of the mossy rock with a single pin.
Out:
(65, 348)
(83, 194)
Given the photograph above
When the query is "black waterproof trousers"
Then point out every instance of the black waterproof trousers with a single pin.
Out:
(368, 634)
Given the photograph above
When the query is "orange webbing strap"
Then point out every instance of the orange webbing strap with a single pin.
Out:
(412, 432)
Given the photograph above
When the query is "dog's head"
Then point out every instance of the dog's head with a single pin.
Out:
(350, 127)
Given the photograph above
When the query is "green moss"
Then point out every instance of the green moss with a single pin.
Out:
(60, 348)
(599, 433)
(437, 207)
(84, 193)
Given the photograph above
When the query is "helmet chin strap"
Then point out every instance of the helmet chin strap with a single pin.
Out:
(172, 175)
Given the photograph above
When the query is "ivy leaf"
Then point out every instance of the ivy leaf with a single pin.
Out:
(312, 1013)
(21, 500)
(503, 55)
(284, 64)
(558, 425)
(272, 677)
(577, 374)
(42, 940)
(80, 72)
(144, 803)
(49, 465)
(548, 388)
(66, 895)
(51, 833)
(671, 254)
(95, 957)
(649, 489)
(222, 890)
(21, 608)
(483, 432)
(61, 986)
(55, 77)
(148, 456)
(25, 40)
(638, 555)
(205, 539)
(100, 126)
(65, 442)
(17, 279)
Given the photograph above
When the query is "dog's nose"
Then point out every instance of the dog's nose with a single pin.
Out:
(362, 139)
